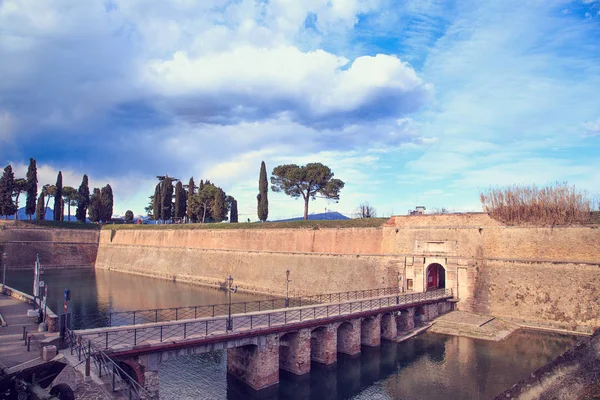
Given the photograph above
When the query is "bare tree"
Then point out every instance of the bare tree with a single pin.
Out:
(365, 210)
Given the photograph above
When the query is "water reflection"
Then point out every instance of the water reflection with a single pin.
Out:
(429, 366)
(95, 291)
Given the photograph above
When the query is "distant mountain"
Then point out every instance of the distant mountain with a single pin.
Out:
(328, 216)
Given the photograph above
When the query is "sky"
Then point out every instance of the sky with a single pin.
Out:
(409, 102)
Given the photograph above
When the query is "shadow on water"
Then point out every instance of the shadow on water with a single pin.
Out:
(429, 366)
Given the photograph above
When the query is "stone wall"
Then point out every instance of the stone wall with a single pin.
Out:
(264, 272)
(564, 295)
(57, 248)
(338, 241)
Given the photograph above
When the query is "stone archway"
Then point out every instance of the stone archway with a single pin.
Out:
(435, 277)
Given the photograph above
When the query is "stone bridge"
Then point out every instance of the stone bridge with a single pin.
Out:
(260, 344)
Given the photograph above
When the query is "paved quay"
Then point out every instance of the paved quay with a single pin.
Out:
(460, 323)
(13, 351)
(14, 355)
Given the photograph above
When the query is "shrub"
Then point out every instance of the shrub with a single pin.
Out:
(558, 204)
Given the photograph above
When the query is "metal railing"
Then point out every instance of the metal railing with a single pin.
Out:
(152, 334)
(106, 367)
(136, 317)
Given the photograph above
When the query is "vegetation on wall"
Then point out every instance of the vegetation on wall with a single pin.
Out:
(558, 204)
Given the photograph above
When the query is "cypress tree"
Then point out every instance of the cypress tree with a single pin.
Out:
(180, 200)
(7, 185)
(106, 203)
(94, 209)
(218, 211)
(40, 211)
(190, 195)
(83, 199)
(32, 181)
(58, 198)
(263, 188)
(167, 198)
(201, 185)
(233, 214)
(156, 202)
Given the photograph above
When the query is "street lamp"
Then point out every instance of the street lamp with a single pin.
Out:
(287, 287)
(231, 289)
(4, 257)
(398, 289)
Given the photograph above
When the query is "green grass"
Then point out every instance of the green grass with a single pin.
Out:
(351, 223)
(53, 224)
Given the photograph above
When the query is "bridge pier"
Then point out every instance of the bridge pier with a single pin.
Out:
(323, 344)
(348, 337)
(389, 328)
(370, 331)
(294, 352)
(256, 365)
(146, 371)
(406, 320)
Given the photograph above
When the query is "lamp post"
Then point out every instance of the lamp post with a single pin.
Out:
(287, 287)
(4, 257)
(231, 289)
(398, 289)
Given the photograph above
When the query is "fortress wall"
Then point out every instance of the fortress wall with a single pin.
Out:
(479, 236)
(57, 248)
(252, 270)
(339, 241)
(564, 295)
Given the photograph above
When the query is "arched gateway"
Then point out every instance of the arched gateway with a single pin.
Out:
(435, 277)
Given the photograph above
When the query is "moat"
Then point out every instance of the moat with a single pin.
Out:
(429, 366)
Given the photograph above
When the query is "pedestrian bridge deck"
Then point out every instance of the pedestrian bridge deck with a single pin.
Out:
(157, 336)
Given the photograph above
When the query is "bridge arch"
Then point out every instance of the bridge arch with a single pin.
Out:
(435, 277)
(348, 337)
(133, 369)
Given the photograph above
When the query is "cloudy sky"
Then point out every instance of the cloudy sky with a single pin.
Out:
(409, 102)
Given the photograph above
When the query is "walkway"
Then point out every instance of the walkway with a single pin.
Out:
(156, 335)
(12, 349)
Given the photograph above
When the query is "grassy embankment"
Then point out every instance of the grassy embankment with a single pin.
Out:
(351, 223)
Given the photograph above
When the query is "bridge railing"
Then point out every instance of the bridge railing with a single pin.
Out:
(106, 367)
(136, 317)
(152, 334)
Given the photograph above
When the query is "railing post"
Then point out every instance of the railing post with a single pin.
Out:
(113, 376)
(245, 307)
(135, 337)
(176, 313)
(109, 319)
(269, 319)
(87, 361)
(213, 310)
(156, 315)
(134, 318)
(161, 328)
(285, 317)
(184, 330)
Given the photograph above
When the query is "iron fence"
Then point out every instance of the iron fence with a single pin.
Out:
(127, 337)
(136, 317)
(106, 367)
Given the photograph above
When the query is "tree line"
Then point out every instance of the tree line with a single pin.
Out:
(98, 206)
(193, 203)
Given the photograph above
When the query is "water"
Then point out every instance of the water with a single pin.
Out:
(101, 291)
(429, 366)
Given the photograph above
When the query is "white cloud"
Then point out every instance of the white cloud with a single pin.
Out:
(592, 128)
(262, 82)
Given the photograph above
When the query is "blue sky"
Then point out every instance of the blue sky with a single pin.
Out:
(409, 102)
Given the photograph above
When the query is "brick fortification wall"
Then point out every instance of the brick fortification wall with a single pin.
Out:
(548, 275)
(58, 248)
